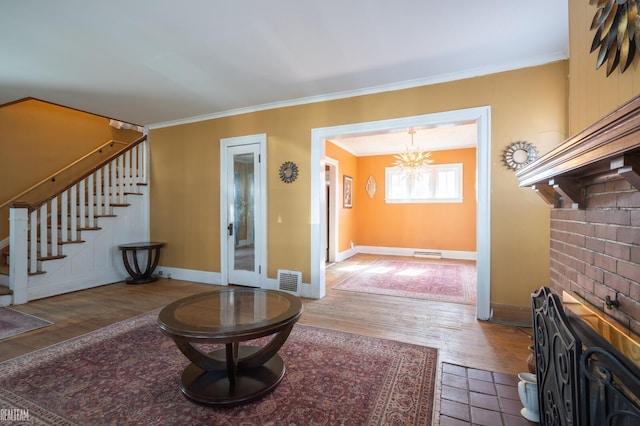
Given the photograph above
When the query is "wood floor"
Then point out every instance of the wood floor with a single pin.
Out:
(452, 328)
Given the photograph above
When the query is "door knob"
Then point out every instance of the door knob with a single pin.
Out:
(230, 229)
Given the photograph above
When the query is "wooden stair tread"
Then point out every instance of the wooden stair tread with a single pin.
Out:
(90, 228)
(45, 258)
(5, 291)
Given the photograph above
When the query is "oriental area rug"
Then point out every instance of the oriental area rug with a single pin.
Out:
(129, 372)
(13, 322)
(430, 280)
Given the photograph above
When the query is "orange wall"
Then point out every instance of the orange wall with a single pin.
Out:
(443, 226)
(372, 222)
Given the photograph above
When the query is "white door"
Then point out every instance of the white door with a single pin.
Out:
(242, 215)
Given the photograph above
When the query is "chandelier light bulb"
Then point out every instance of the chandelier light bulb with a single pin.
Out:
(413, 162)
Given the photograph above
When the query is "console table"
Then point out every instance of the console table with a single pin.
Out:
(130, 254)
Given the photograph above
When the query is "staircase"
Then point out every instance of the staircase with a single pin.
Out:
(69, 241)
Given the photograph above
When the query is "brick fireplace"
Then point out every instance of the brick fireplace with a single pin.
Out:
(595, 252)
(587, 346)
(592, 183)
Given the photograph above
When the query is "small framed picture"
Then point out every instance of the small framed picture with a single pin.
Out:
(347, 187)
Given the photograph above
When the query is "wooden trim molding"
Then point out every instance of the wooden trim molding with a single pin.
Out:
(511, 315)
(610, 146)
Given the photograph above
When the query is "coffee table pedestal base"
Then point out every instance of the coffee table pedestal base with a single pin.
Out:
(214, 388)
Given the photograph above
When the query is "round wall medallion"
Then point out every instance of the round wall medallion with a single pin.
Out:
(288, 172)
(519, 154)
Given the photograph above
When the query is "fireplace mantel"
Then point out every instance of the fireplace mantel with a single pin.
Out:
(608, 149)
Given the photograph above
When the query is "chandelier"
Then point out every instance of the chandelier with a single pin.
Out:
(413, 162)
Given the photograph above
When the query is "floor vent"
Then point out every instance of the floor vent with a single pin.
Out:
(289, 281)
(428, 254)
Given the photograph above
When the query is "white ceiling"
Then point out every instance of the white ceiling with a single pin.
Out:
(159, 61)
(433, 138)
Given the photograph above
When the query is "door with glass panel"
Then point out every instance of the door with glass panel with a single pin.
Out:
(242, 251)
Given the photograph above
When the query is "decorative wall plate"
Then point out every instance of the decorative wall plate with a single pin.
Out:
(288, 172)
(371, 187)
(519, 154)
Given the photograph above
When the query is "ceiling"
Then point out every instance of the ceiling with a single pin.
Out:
(157, 62)
(445, 136)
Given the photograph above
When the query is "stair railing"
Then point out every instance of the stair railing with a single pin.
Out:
(34, 235)
(52, 177)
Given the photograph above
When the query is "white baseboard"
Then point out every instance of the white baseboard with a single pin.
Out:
(403, 251)
(206, 277)
(196, 276)
(346, 254)
(6, 300)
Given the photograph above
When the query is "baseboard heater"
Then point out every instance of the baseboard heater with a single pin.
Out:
(428, 254)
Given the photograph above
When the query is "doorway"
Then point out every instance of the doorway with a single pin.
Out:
(331, 243)
(242, 213)
(482, 116)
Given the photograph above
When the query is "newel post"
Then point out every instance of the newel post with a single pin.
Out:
(18, 249)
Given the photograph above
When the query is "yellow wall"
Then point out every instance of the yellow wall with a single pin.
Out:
(527, 104)
(39, 138)
(540, 105)
(592, 94)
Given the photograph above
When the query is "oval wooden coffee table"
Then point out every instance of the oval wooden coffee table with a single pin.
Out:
(234, 374)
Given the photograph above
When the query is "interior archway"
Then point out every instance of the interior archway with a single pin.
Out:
(481, 115)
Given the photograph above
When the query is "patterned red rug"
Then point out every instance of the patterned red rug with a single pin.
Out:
(431, 280)
(128, 373)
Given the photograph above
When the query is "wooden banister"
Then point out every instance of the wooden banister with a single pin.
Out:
(102, 163)
(62, 170)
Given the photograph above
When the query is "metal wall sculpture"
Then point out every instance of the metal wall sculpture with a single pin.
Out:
(558, 351)
(617, 31)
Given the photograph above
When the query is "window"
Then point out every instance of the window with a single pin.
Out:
(440, 183)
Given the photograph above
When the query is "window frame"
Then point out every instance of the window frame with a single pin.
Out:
(433, 171)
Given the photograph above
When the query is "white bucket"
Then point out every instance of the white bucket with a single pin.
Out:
(528, 392)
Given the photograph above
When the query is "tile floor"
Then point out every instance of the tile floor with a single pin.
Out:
(479, 397)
